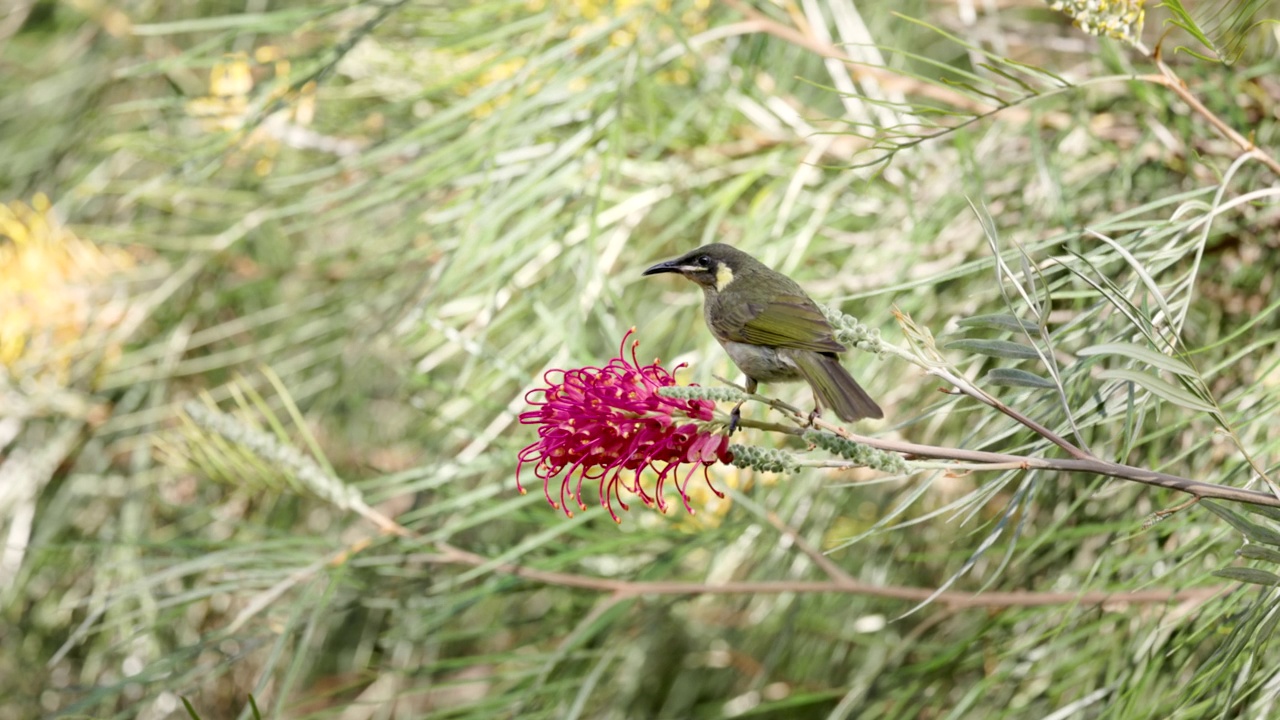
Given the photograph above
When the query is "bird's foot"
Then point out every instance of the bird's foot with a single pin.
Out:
(734, 418)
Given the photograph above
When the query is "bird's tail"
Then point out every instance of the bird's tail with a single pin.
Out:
(835, 388)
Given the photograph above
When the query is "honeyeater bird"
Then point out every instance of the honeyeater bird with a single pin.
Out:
(771, 329)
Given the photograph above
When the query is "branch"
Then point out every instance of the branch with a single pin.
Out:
(451, 555)
(833, 571)
(760, 22)
(983, 460)
(1168, 79)
(982, 396)
(841, 582)
(923, 353)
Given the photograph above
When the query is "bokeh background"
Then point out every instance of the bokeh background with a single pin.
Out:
(362, 231)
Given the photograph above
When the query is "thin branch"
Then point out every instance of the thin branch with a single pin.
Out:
(924, 354)
(840, 582)
(1002, 461)
(833, 571)
(890, 79)
(982, 396)
(1160, 515)
(1169, 79)
(619, 590)
(451, 555)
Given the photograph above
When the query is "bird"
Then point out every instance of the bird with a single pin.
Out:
(771, 329)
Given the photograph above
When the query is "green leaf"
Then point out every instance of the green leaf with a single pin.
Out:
(1183, 19)
(995, 348)
(1013, 377)
(1159, 388)
(1141, 353)
(1269, 512)
(1251, 530)
(1001, 321)
(1260, 552)
(1248, 575)
(1221, 27)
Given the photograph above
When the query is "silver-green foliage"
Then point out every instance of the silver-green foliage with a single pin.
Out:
(473, 205)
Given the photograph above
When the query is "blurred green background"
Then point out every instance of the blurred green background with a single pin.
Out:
(365, 229)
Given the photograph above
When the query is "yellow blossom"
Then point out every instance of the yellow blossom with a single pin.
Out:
(52, 288)
(585, 17)
(1119, 19)
(227, 107)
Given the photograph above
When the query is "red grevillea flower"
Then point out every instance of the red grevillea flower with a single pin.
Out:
(609, 424)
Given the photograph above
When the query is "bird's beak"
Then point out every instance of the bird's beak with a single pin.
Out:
(671, 266)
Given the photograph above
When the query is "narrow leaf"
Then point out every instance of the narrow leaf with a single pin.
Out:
(1270, 512)
(1141, 353)
(1251, 530)
(1183, 19)
(1031, 91)
(1260, 552)
(1013, 377)
(995, 348)
(1248, 575)
(1222, 27)
(1001, 321)
(1159, 388)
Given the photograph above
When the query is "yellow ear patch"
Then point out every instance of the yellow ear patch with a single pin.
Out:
(724, 276)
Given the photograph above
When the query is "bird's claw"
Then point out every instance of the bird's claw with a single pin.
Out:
(734, 418)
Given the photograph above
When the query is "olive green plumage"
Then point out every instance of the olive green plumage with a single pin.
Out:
(770, 327)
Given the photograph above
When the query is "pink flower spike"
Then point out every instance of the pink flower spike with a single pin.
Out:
(599, 421)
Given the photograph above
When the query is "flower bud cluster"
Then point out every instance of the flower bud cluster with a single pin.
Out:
(859, 453)
(698, 392)
(280, 456)
(763, 459)
(851, 333)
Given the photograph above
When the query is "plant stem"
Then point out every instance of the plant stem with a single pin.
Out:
(1169, 79)
(1002, 461)
(451, 555)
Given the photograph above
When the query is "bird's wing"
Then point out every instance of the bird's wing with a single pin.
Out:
(789, 321)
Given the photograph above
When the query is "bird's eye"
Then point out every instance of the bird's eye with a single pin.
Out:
(704, 261)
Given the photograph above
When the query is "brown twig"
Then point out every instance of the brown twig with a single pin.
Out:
(451, 555)
(1002, 461)
(833, 571)
(927, 356)
(923, 353)
(887, 78)
(1167, 78)
(982, 396)
(891, 80)
(841, 582)
(757, 21)
(1160, 515)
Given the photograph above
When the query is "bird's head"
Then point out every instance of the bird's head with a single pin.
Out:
(713, 266)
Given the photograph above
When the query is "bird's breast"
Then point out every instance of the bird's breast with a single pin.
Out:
(764, 364)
